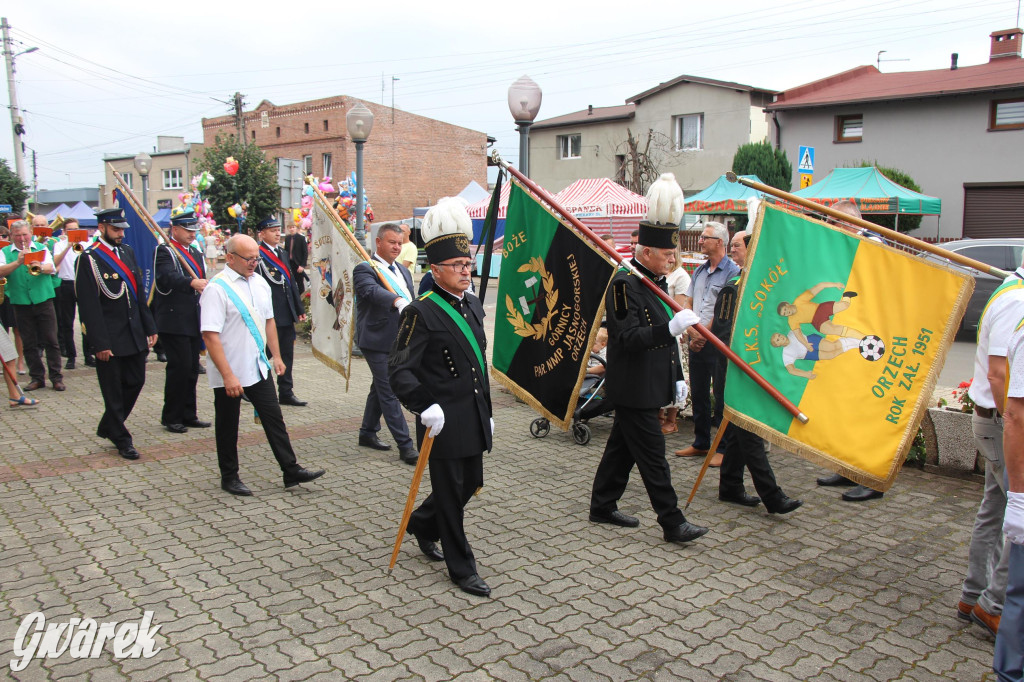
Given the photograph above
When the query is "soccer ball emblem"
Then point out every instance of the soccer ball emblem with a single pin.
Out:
(872, 348)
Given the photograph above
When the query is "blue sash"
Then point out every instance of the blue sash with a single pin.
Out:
(390, 277)
(247, 318)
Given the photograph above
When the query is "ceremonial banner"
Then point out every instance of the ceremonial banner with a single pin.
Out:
(332, 296)
(852, 331)
(550, 303)
(142, 242)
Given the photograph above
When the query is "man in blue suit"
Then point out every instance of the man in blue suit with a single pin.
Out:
(377, 317)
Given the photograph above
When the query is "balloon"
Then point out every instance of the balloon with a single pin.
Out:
(306, 223)
(326, 186)
(204, 180)
(296, 216)
(231, 166)
(303, 212)
(234, 211)
(308, 190)
(307, 202)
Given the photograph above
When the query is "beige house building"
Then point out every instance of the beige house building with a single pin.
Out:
(694, 126)
(170, 174)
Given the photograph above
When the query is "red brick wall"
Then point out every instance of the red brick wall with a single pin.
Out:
(412, 162)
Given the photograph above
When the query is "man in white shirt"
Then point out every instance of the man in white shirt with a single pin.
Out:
(64, 260)
(237, 322)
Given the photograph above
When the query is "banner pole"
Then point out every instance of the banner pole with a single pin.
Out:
(410, 500)
(895, 236)
(350, 238)
(707, 460)
(671, 302)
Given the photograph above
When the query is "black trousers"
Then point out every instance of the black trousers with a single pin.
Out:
(121, 380)
(264, 400)
(66, 302)
(707, 374)
(636, 439)
(381, 401)
(286, 342)
(453, 482)
(180, 378)
(37, 324)
(746, 449)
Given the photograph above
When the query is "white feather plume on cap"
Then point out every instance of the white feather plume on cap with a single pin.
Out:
(665, 201)
(448, 216)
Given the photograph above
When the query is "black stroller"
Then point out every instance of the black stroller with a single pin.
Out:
(592, 404)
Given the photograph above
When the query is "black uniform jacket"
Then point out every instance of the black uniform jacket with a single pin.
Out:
(287, 302)
(175, 302)
(643, 360)
(433, 362)
(112, 318)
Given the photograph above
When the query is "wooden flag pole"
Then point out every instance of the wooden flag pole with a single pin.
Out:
(154, 229)
(669, 301)
(10, 374)
(707, 460)
(410, 501)
(339, 224)
(860, 222)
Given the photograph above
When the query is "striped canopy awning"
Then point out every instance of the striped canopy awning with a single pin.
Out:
(600, 197)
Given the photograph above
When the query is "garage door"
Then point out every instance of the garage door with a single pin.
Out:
(994, 210)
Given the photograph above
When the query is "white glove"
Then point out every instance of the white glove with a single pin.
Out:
(433, 419)
(682, 390)
(492, 426)
(681, 320)
(400, 304)
(1013, 518)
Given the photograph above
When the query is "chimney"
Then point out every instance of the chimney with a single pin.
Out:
(590, 110)
(1006, 44)
(953, 58)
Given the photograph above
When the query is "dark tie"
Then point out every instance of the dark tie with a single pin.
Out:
(393, 269)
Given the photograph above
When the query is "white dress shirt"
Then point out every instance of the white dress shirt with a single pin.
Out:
(219, 314)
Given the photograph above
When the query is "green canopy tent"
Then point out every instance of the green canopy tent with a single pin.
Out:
(871, 191)
(723, 198)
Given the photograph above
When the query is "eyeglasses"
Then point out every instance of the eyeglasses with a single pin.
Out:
(457, 267)
(705, 237)
(248, 261)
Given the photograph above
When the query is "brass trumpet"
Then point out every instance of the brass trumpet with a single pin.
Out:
(78, 247)
(35, 269)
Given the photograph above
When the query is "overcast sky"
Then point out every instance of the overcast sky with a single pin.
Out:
(109, 77)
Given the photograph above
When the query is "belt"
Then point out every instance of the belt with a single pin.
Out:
(985, 412)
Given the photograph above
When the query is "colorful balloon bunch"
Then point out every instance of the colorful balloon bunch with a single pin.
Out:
(346, 202)
(194, 201)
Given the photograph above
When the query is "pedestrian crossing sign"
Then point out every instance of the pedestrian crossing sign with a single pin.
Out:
(806, 160)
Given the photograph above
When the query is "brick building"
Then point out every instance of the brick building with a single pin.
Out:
(408, 160)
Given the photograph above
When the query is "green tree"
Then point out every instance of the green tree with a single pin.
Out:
(12, 190)
(766, 162)
(906, 222)
(255, 183)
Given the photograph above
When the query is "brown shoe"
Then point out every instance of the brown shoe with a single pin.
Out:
(35, 385)
(59, 386)
(985, 619)
(691, 452)
(716, 460)
(963, 610)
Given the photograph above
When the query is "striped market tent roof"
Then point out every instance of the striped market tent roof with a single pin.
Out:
(602, 196)
(479, 209)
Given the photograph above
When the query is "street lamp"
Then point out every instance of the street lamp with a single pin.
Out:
(359, 121)
(524, 98)
(143, 162)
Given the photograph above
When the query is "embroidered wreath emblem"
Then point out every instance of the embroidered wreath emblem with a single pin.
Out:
(515, 316)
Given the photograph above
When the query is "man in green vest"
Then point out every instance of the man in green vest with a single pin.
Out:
(30, 288)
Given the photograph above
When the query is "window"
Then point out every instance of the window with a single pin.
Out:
(172, 178)
(278, 132)
(689, 131)
(325, 125)
(1007, 114)
(327, 165)
(254, 134)
(307, 128)
(849, 128)
(569, 146)
(127, 177)
(307, 164)
(264, 119)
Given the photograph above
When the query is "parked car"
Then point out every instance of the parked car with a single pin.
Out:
(1005, 254)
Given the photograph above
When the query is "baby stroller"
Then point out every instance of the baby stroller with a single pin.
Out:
(592, 404)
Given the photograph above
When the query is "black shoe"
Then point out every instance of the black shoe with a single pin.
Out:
(615, 518)
(160, 357)
(235, 487)
(472, 584)
(292, 400)
(408, 455)
(70, 364)
(90, 360)
(301, 476)
(740, 498)
(428, 547)
(128, 452)
(196, 424)
(684, 532)
(861, 493)
(176, 428)
(784, 505)
(835, 480)
(372, 441)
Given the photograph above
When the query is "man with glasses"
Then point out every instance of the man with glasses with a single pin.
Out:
(237, 322)
(438, 369)
(378, 309)
(705, 369)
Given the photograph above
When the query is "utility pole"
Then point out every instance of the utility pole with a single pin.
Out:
(17, 126)
(35, 181)
(239, 119)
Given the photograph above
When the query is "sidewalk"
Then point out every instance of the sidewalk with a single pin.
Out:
(292, 584)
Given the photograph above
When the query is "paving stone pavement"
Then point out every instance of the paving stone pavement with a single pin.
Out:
(293, 584)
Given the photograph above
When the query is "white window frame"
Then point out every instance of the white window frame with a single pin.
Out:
(264, 119)
(307, 165)
(170, 173)
(565, 146)
(328, 161)
(1012, 112)
(678, 127)
(127, 177)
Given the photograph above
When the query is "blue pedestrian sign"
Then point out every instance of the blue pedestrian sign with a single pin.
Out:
(5, 208)
(805, 163)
